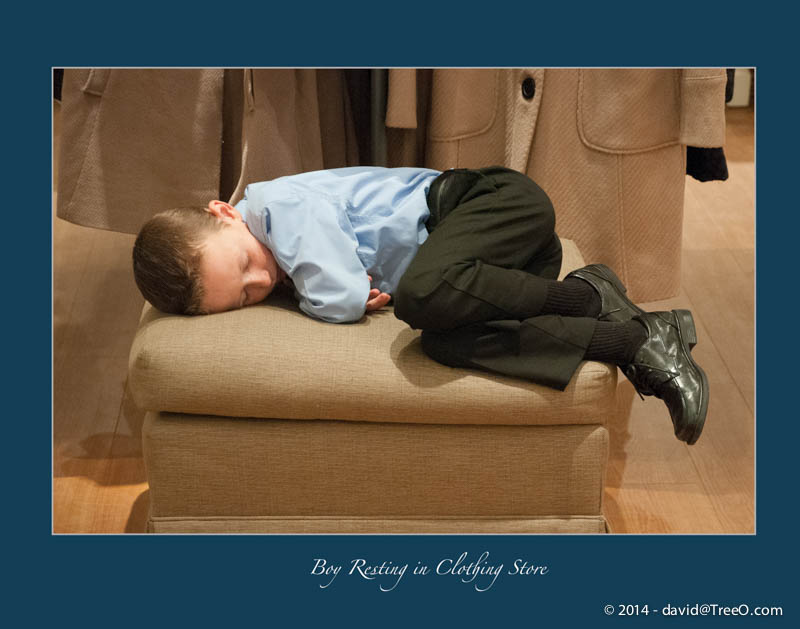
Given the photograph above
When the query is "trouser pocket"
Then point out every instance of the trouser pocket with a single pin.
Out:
(447, 191)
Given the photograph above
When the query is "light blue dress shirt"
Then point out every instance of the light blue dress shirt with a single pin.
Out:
(328, 229)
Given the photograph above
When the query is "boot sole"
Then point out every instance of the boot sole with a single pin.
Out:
(688, 334)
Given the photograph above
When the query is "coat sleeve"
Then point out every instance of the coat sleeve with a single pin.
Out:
(703, 107)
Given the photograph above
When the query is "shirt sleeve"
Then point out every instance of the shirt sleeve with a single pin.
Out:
(314, 242)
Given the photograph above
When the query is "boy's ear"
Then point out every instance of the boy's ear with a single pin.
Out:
(223, 210)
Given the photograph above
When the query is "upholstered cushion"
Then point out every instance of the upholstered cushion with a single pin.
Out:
(272, 361)
(205, 467)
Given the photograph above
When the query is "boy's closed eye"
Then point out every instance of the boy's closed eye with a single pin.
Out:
(245, 267)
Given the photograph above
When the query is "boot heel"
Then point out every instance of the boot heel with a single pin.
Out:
(687, 327)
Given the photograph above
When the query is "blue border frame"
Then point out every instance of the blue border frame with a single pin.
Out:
(231, 580)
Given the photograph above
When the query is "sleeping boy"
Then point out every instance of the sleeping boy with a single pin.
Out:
(470, 257)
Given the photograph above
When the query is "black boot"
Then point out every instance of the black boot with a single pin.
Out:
(663, 366)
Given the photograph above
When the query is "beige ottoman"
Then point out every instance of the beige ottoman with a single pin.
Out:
(263, 420)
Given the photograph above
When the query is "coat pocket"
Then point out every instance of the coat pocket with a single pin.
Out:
(463, 103)
(629, 110)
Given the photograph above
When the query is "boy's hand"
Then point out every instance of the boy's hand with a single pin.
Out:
(376, 299)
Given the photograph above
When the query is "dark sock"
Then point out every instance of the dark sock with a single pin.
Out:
(616, 343)
(571, 298)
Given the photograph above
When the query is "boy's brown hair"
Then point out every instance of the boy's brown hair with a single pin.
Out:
(167, 255)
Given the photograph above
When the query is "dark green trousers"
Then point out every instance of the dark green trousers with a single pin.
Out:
(476, 287)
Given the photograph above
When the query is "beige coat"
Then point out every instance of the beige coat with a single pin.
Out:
(134, 142)
(607, 145)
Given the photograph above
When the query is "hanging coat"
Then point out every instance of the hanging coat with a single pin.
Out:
(607, 145)
(138, 141)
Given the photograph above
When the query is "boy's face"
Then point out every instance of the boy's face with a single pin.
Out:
(236, 268)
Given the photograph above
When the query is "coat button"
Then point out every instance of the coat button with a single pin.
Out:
(528, 88)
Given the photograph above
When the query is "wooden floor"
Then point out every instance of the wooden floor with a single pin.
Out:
(655, 484)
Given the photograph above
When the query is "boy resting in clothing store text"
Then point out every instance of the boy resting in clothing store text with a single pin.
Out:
(470, 257)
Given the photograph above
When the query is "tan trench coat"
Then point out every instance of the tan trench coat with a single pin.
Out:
(608, 145)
